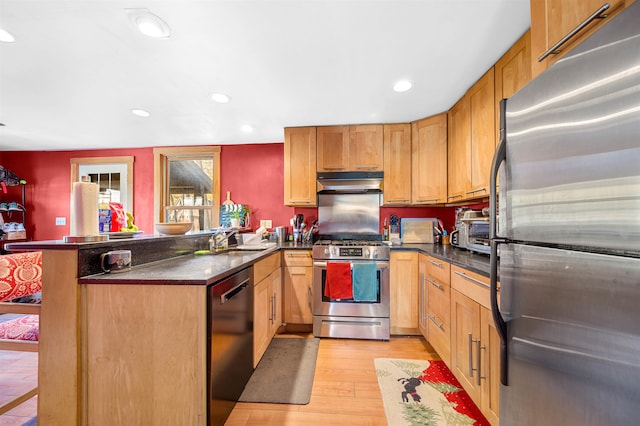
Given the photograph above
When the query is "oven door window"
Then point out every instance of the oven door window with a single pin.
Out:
(376, 283)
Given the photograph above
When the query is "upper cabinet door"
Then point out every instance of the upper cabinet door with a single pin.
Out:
(333, 148)
(429, 160)
(300, 166)
(551, 20)
(366, 148)
(512, 72)
(397, 164)
(459, 151)
(483, 133)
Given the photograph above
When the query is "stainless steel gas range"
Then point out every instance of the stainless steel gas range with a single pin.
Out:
(363, 265)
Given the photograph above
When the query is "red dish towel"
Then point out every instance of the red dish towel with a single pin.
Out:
(338, 281)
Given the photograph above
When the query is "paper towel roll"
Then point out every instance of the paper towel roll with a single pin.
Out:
(84, 209)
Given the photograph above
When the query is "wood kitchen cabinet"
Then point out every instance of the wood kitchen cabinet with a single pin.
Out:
(300, 166)
(397, 164)
(459, 151)
(437, 282)
(267, 311)
(350, 148)
(512, 72)
(483, 133)
(551, 20)
(429, 160)
(298, 291)
(472, 141)
(475, 346)
(403, 298)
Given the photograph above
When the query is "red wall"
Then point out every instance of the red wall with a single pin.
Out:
(253, 174)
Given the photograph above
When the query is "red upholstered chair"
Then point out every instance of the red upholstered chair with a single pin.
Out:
(20, 276)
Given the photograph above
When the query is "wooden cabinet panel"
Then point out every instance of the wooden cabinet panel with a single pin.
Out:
(300, 166)
(262, 313)
(472, 285)
(551, 20)
(366, 148)
(490, 367)
(333, 148)
(459, 151)
(267, 303)
(404, 293)
(483, 133)
(512, 73)
(423, 296)
(298, 295)
(429, 160)
(140, 354)
(465, 342)
(397, 164)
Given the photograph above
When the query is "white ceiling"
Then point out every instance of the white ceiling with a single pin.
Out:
(78, 67)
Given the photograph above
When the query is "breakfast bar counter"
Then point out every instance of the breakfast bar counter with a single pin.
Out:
(128, 347)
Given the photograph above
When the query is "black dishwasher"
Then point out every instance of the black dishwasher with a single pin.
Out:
(230, 342)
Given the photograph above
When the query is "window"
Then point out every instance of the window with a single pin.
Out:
(187, 185)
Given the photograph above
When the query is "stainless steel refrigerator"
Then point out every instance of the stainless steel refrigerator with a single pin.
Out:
(566, 224)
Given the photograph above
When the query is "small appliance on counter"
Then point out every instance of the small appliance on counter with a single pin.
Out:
(472, 231)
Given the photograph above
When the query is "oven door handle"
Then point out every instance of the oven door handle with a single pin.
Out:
(379, 265)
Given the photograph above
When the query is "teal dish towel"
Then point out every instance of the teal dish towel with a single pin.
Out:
(365, 282)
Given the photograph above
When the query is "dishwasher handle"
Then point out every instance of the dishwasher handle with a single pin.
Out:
(228, 295)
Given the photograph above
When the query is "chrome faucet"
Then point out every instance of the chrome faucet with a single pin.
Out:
(219, 237)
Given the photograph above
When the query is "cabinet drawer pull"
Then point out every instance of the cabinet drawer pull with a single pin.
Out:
(397, 201)
(434, 263)
(424, 200)
(598, 14)
(309, 298)
(299, 201)
(454, 196)
(473, 280)
(298, 255)
(366, 167)
(333, 168)
(435, 284)
(438, 324)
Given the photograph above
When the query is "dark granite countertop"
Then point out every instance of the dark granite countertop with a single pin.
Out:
(184, 270)
(474, 262)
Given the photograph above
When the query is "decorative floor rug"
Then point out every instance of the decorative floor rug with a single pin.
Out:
(420, 392)
(285, 373)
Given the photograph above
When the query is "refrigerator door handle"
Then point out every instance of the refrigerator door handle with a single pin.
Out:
(501, 325)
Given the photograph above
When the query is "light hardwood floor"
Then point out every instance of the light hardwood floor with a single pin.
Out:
(345, 387)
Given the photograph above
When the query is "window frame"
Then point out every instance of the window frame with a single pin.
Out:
(164, 154)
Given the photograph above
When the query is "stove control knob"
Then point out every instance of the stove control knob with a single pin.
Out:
(367, 253)
(326, 251)
(375, 254)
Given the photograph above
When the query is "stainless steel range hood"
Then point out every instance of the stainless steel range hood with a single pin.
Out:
(349, 182)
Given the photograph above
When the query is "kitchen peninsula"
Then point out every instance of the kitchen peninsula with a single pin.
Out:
(132, 347)
(128, 348)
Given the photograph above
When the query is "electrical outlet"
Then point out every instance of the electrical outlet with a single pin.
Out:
(61, 221)
(266, 223)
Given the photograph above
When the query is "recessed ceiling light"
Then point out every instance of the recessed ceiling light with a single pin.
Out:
(402, 86)
(140, 113)
(220, 98)
(6, 37)
(149, 24)
(246, 128)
